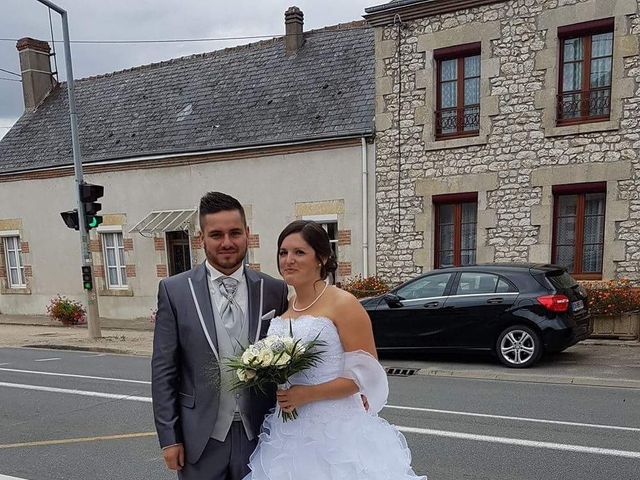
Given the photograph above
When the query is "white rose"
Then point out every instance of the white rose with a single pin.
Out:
(247, 357)
(242, 375)
(265, 356)
(288, 343)
(283, 360)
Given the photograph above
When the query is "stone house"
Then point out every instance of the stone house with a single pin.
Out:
(285, 125)
(508, 131)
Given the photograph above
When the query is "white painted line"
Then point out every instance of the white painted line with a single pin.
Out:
(522, 443)
(54, 374)
(94, 355)
(113, 396)
(1, 364)
(6, 477)
(47, 359)
(519, 419)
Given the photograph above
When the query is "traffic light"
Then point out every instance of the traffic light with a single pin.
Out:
(71, 219)
(89, 193)
(87, 281)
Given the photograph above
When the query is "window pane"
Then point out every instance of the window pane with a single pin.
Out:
(430, 286)
(567, 205)
(449, 70)
(573, 49)
(472, 91)
(469, 212)
(111, 257)
(118, 237)
(599, 102)
(12, 259)
(108, 238)
(572, 77)
(570, 107)
(566, 233)
(448, 95)
(13, 274)
(447, 214)
(503, 286)
(468, 240)
(468, 257)
(446, 237)
(121, 252)
(446, 258)
(476, 283)
(123, 274)
(594, 204)
(601, 72)
(602, 45)
(12, 243)
(113, 277)
(472, 66)
(592, 259)
(593, 229)
(449, 121)
(472, 119)
(564, 257)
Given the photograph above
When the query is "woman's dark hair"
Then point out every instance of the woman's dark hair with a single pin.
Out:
(317, 238)
(214, 202)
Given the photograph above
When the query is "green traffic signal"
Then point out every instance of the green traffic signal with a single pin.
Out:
(93, 221)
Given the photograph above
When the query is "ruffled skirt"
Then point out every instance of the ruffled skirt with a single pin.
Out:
(331, 441)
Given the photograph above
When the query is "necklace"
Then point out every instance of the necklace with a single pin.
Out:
(311, 304)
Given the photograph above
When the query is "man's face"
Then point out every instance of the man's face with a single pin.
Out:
(225, 238)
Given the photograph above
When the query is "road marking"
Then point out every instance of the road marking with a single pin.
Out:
(522, 443)
(6, 477)
(1, 364)
(520, 419)
(94, 355)
(113, 396)
(76, 440)
(47, 359)
(75, 376)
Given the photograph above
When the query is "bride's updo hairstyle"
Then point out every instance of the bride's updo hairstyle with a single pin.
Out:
(317, 238)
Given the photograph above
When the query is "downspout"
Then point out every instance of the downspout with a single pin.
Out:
(365, 210)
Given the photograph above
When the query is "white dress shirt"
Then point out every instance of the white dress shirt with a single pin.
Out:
(242, 293)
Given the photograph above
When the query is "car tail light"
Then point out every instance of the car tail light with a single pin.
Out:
(555, 303)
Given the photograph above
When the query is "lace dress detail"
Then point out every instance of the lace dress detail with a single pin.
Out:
(330, 439)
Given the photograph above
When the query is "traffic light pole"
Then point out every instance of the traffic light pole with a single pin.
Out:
(93, 317)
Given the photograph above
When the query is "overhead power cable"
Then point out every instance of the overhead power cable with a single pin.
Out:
(9, 71)
(11, 79)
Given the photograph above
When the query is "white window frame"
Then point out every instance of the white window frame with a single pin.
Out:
(14, 251)
(122, 277)
(324, 220)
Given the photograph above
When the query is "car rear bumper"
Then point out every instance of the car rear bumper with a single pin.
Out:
(556, 340)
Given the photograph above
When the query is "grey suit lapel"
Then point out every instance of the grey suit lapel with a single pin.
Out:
(199, 284)
(256, 291)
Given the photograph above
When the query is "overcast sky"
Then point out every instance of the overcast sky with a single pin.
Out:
(146, 19)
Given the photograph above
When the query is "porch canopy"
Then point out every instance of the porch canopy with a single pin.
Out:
(161, 221)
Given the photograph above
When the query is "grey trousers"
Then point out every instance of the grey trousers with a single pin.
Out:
(226, 460)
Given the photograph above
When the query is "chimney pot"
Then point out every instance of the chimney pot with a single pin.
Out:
(35, 66)
(294, 30)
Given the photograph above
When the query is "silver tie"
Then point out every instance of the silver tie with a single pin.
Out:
(230, 311)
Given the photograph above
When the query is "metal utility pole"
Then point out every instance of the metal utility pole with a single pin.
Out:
(93, 318)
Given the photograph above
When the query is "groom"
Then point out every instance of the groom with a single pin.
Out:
(206, 431)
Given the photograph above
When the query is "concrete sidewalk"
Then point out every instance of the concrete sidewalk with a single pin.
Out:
(592, 362)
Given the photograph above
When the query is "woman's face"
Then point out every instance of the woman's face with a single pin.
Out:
(297, 261)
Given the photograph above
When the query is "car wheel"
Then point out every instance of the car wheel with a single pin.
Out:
(518, 347)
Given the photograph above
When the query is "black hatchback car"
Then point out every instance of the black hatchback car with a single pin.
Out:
(515, 310)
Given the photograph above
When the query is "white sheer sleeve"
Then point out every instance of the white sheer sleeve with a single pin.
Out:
(366, 371)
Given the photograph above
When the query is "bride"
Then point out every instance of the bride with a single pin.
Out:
(337, 434)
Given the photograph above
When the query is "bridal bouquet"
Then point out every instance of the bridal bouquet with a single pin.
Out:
(273, 360)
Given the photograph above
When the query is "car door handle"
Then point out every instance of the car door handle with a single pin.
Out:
(431, 304)
(495, 300)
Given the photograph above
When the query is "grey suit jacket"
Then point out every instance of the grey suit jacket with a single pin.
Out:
(185, 363)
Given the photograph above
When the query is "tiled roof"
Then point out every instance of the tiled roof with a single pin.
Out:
(252, 95)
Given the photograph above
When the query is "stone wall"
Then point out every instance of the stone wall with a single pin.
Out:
(519, 143)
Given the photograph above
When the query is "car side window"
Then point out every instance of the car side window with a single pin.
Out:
(477, 283)
(504, 287)
(425, 287)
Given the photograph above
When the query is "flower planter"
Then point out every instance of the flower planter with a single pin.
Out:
(624, 326)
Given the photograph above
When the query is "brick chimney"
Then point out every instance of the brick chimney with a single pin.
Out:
(35, 66)
(293, 22)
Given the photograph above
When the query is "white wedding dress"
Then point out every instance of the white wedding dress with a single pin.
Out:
(330, 439)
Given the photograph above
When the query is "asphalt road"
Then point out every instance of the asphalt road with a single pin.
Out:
(56, 426)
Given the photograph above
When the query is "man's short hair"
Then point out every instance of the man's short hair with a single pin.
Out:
(214, 202)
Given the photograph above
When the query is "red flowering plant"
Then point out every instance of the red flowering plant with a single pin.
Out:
(362, 287)
(67, 311)
(612, 297)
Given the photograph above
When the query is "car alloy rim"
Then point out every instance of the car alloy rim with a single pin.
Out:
(517, 347)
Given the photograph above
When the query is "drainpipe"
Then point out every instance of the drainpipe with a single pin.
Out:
(365, 210)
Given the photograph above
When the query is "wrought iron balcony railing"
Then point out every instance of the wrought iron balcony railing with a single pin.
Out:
(584, 105)
(453, 122)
